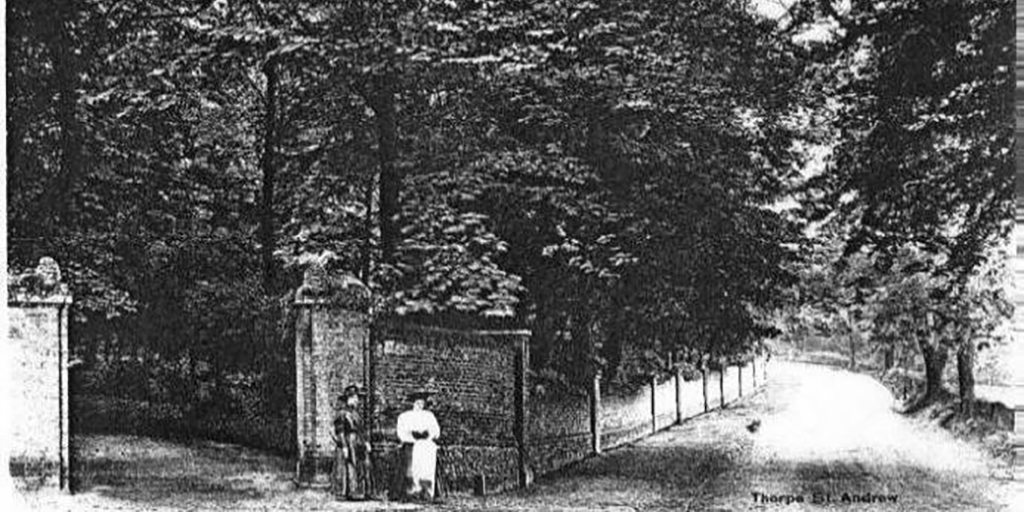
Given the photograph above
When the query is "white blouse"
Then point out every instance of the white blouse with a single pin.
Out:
(417, 421)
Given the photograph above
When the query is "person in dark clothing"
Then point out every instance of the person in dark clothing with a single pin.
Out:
(351, 476)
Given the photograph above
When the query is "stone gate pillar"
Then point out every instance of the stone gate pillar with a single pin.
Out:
(37, 311)
(331, 344)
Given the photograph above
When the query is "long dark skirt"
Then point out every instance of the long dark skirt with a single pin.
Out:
(350, 479)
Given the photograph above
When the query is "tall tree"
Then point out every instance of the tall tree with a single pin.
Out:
(925, 131)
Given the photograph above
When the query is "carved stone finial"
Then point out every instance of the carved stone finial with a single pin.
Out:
(42, 282)
(314, 280)
(48, 272)
(344, 290)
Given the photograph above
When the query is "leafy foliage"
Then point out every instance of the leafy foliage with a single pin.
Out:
(606, 175)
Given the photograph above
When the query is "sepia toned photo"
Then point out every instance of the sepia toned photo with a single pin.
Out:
(557, 255)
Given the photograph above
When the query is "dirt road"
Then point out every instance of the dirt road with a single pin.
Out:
(828, 440)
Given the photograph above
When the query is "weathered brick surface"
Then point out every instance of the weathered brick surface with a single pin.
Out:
(473, 376)
(329, 355)
(38, 417)
(558, 431)
(457, 466)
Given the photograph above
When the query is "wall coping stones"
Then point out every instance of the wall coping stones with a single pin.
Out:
(420, 334)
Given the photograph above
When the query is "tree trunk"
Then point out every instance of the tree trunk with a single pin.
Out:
(611, 352)
(853, 352)
(890, 357)
(266, 232)
(965, 375)
(543, 341)
(611, 344)
(935, 357)
(366, 266)
(579, 363)
(58, 198)
(383, 105)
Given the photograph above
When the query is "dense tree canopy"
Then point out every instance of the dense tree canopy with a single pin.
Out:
(610, 175)
(602, 173)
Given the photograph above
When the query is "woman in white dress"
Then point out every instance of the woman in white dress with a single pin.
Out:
(418, 432)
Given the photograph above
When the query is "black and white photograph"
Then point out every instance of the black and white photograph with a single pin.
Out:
(514, 255)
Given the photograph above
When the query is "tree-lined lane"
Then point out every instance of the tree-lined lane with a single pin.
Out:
(828, 439)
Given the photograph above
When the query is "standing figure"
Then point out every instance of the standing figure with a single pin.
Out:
(418, 430)
(351, 476)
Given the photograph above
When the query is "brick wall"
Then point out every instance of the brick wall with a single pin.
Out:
(474, 378)
(558, 430)
(38, 418)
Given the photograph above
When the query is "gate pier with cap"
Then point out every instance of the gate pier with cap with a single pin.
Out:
(332, 333)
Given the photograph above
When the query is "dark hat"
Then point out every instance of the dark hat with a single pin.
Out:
(353, 389)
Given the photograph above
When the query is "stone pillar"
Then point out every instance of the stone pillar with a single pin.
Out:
(332, 333)
(37, 310)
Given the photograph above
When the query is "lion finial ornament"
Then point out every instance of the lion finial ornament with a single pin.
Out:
(320, 283)
(43, 281)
